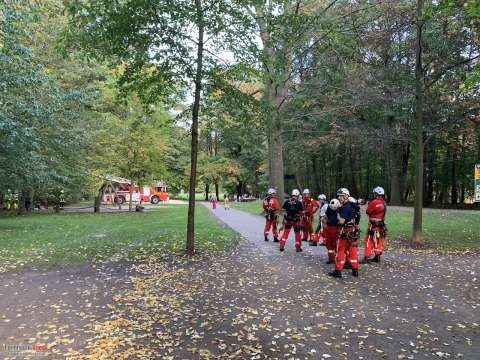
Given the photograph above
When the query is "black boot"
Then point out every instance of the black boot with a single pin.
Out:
(355, 272)
(275, 239)
(335, 273)
(347, 265)
(330, 262)
(376, 259)
(266, 238)
(313, 243)
(282, 248)
(304, 239)
(299, 249)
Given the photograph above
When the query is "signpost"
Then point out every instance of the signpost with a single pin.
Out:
(477, 182)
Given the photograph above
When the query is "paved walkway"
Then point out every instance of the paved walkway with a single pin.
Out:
(258, 303)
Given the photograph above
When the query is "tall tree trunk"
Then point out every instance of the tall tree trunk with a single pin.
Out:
(275, 143)
(21, 201)
(217, 191)
(98, 198)
(419, 104)
(130, 201)
(239, 190)
(190, 245)
(31, 195)
(404, 178)
(453, 179)
(398, 173)
(339, 162)
(316, 178)
(368, 179)
(207, 191)
(429, 172)
(353, 172)
(276, 82)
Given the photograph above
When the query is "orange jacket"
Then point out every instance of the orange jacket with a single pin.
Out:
(271, 204)
(310, 205)
(376, 209)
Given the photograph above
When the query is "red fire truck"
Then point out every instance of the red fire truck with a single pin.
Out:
(118, 191)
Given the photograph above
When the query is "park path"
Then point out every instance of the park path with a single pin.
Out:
(250, 303)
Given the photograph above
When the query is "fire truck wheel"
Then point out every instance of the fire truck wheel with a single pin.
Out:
(119, 200)
(155, 200)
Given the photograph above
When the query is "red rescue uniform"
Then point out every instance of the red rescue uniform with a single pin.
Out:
(293, 208)
(346, 248)
(271, 206)
(310, 207)
(331, 233)
(376, 227)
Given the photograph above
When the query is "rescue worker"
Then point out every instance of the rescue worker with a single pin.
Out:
(310, 207)
(214, 202)
(356, 209)
(376, 226)
(356, 217)
(271, 207)
(319, 234)
(293, 211)
(347, 244)
(332, 229)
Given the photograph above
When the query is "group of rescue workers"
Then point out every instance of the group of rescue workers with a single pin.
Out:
(338, 229)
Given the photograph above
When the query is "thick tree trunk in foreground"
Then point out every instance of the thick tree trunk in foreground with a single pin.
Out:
(207, 191)
(276, 86)
(419, 95)
(190, 246)
(275, 144)
(130, 201)
(98, 198)
(453, 180)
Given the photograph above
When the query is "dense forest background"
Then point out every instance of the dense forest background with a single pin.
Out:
(325, 93)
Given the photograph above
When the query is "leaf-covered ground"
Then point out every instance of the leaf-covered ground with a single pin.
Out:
(251, 303)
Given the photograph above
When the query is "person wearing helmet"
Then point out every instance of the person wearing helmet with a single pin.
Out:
(347, 244)
(356, 209)
(356, 219)
(293, 210)
(271, 207)
(332, 229)
(310, 207)
(319, 234)
(376, 226)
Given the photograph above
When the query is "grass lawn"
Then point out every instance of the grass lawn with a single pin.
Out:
(184, 196)
(71, 238)
(449, 229)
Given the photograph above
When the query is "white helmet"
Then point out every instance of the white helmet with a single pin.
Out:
(322, 197)
(352, 199)
(379, 191)
(343, 191)
(334, 204)
(295, 192)
(306, 191)
(272, 191)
